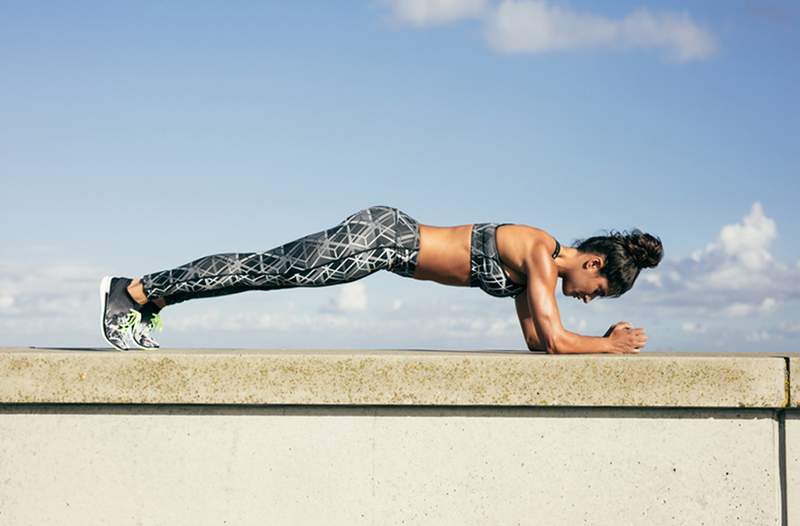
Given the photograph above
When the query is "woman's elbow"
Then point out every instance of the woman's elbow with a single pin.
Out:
(538, 347)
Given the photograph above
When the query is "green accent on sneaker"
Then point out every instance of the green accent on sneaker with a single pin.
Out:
(134, 316)
(155, 322)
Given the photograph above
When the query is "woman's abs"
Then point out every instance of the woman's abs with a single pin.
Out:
(444, 254)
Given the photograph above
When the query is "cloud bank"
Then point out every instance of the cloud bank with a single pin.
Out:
(733, 279)
(422, 13)
(537, 26)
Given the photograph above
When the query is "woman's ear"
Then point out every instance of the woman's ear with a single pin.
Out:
(595, 263)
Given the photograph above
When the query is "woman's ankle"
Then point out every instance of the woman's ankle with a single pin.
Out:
(136, 291)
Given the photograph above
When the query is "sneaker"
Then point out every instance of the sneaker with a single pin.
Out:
(150, 321)
(119, 313)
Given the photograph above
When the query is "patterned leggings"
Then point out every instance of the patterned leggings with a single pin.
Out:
(372, 239)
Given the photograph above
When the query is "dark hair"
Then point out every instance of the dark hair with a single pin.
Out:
(626, 254)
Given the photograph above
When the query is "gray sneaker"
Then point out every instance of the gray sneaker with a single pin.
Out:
(119, 313)
(150, 321)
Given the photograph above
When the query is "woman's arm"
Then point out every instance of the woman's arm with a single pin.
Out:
(548, 333)
(532, 339)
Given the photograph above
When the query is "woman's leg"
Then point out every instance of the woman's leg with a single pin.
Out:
(372, 239)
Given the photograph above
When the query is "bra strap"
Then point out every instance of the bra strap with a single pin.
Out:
(557, 250)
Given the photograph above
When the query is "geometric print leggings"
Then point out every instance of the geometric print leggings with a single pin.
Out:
(375, 238)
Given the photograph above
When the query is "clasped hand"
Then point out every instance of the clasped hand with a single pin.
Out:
(626, 338)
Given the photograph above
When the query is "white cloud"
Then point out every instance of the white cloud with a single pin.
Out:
(758, 336)
(577, 324)
(469, 330)
(56, 290)
(535, 26)
(738, 310)
(768, 305)
(683, 39)
(350, 297)
(653, 278)
(6, 300)
(734, 275)
(504, 326)
(745, 309)
(693, 327)
(434, 12)
(38, 300)
(249, 320)
(789, 326)
(745, 249)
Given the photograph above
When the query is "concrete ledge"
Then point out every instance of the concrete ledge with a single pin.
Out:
(397, 437)
(398, 377)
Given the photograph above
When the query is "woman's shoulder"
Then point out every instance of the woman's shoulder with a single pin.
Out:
(532, 234)
(520, 242)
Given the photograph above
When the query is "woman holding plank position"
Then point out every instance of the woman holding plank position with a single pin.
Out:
(502, 259)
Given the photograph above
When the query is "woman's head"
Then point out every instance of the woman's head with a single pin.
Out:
(609, 265)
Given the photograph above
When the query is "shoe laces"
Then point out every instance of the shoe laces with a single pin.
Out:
(133, 317)
(155, 323)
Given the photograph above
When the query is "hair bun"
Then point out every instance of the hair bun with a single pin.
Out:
(646, 250)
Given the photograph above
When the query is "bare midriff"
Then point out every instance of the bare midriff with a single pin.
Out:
(444, 253)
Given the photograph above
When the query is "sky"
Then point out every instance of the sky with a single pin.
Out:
(138, 136)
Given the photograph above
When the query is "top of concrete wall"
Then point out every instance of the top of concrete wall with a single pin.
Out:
(398, 377)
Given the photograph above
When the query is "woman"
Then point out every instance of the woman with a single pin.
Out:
(504, 260)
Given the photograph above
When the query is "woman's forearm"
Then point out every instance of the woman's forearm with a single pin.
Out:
(574, 343)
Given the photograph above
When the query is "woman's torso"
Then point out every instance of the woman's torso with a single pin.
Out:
(444, 252)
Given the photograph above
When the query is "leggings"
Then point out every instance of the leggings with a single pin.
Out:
(375, 238)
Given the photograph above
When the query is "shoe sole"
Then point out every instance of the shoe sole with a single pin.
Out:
(142, 346)
(105, 287)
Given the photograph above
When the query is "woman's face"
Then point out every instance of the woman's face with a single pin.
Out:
(585, 282)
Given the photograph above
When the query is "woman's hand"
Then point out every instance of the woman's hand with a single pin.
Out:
(611, 329)
(626, 339)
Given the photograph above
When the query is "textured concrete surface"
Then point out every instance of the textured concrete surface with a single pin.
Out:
(395, 377)
(214, 465)
(793, 467)
(794, 376)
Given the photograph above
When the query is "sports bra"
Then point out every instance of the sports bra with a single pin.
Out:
(487, 271)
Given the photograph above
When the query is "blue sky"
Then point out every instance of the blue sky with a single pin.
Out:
(137, 137)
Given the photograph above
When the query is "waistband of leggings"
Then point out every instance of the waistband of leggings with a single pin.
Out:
(407, 231)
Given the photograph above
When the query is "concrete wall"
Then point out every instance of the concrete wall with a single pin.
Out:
(397, 437)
